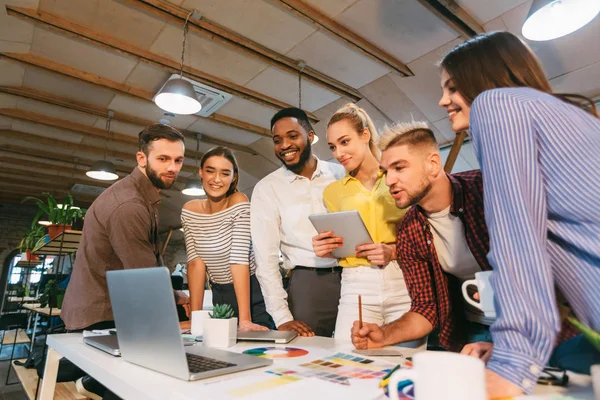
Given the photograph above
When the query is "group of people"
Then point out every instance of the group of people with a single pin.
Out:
(531, 215)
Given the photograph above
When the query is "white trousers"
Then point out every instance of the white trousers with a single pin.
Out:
(383, 294)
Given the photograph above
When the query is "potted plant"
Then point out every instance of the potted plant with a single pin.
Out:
(594, 338)
(51, 295)
(35, 233)
(61, 217)
(220, 330)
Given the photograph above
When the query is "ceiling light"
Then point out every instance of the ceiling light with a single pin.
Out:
(551, 19)
(44, 222)
(103, 170)
(178, 95)
(193, 187)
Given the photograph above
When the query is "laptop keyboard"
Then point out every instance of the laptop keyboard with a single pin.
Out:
(198, 363)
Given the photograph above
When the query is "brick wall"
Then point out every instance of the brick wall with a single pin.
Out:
(175, 251)
(15, 219)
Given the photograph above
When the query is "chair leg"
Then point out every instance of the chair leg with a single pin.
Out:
(12, 354)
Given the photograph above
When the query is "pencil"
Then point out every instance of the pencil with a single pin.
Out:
(360, 324)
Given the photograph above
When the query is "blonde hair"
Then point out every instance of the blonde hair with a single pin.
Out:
(413, 133)
(360, 121)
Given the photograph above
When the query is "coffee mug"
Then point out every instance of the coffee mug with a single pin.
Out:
(486, 293)
(440, 375)
(197, 317)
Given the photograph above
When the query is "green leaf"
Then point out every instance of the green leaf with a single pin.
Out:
(589, 333)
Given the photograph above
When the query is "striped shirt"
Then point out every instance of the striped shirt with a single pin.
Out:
(219, 239)
(540, 159)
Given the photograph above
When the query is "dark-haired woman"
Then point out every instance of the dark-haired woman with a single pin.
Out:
(218, 243)
(539, 154)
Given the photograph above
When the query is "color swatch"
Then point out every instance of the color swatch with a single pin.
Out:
(276, 352)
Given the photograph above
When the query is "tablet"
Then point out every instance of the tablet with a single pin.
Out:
(345, 224)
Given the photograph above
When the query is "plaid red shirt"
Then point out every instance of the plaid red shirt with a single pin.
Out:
(435, 294)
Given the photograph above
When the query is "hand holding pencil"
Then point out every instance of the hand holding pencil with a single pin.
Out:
(366, 335)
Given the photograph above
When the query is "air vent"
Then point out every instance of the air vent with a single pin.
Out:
(211, 99)
(87, 189)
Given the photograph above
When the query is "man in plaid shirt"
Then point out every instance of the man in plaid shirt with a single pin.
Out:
(441, 242)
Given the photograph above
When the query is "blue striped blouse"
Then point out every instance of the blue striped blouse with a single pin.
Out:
(540, 159)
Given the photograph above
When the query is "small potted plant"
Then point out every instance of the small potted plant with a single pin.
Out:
(35, 233)
(594, 338)
(60, 217)
(220, 330)
(52, 295)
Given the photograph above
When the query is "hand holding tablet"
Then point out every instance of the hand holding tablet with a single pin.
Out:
(340, 233)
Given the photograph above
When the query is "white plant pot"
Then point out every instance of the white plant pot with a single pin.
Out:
(596, 380)
(219, 333)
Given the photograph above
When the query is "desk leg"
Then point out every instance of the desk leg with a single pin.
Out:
(35, 322)
(50, 374)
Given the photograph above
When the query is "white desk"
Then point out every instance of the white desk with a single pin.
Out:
(133, 382)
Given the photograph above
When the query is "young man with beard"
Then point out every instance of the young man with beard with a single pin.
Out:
(442, 241)
(280, 206)
(121, 232)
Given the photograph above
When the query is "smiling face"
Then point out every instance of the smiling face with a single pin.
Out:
(292, 143)
(456, 106)
(217, 175)
(347, 145)
(408, 173)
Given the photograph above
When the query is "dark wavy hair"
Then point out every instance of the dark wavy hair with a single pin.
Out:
(228, 154)
(498, 60)
(156, 132)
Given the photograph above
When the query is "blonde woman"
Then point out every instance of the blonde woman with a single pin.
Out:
(373, 273)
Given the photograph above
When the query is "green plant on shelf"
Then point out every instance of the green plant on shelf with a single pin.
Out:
(50, 294)
(35, 233)
(65, 214)
(222, 311)
(22, 291)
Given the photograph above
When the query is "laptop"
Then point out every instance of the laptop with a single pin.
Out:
(106, 343)
(143, 305)
(281, 337)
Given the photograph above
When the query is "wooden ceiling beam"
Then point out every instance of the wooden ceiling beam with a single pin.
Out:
(121, 88)
(48, 98)
(454, 16)
(106, 41)
(85, 130)
(239, 43)
(44, 178)
(343, 34)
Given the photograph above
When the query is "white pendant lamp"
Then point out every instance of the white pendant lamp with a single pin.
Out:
(104, 170)
(551, 19)
(193, 185)
(178, 95)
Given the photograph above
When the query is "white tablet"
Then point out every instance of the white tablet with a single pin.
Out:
(345, 224)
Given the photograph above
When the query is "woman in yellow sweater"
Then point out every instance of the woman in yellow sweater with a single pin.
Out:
(373, 273)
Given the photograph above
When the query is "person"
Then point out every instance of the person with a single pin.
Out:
(373, 273)
(217, 240)
(280, 206)
(121, 231)
(538, 153)
(441, 242)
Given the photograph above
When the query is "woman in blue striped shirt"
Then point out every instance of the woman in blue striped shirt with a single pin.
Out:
(539, 156)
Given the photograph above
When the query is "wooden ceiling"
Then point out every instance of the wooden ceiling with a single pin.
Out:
(65, 63)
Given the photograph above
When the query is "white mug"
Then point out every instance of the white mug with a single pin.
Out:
(486, 293)
(442, 375)
(197, 317)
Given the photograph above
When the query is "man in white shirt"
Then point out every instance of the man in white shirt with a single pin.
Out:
(280, 206)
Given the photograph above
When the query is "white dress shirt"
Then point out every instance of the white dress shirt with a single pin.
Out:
(280, 206)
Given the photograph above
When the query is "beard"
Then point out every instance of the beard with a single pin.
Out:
(304, 157)
(155, 178)
(416, 196)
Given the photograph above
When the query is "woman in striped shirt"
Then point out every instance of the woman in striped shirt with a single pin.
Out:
(538, 153)
(218, 243)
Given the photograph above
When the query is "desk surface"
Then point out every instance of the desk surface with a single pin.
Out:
(131, 381)
(35, 307)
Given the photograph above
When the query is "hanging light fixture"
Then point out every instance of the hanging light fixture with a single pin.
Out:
(551, 19)
(104, 170)
(302, 64)
(178, 95)
(193, 185)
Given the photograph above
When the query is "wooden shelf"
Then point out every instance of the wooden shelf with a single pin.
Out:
(70, 242)
(9, 337)
(29, 380)
(43, 311)
(29, 264)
